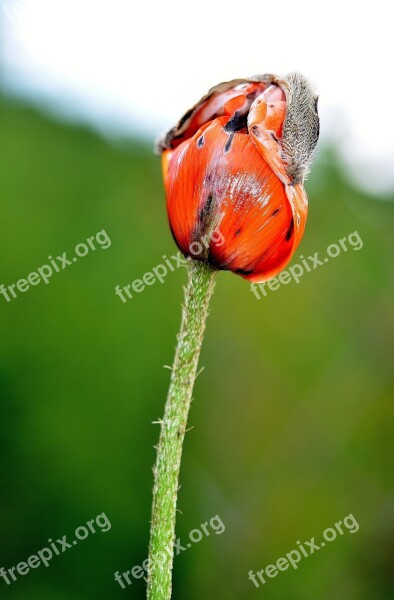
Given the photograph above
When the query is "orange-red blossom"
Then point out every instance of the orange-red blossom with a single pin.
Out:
(236, 164)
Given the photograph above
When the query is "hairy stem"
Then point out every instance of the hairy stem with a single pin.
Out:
(166, 472)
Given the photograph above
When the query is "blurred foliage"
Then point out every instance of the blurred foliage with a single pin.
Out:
(292, 413)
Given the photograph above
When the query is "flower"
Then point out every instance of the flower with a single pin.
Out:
(236, 163)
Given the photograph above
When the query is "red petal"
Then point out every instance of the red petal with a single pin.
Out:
(224, 99)
(248, 199)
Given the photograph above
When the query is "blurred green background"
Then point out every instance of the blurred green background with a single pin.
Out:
(292, 415)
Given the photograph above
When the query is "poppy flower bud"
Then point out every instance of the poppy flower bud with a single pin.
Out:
(234, 168)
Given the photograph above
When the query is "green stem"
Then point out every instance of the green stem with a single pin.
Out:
(166, 472)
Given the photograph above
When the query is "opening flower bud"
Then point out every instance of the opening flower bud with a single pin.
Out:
(234, 168)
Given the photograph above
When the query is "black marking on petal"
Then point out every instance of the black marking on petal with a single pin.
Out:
(205, 220)
(275, 212)
(290, 231)
(229, 142)
(238, 231)
(201, 141)
(237, 122)
(206, 210)
(243, 271)
(185, 117)
(219, 266)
